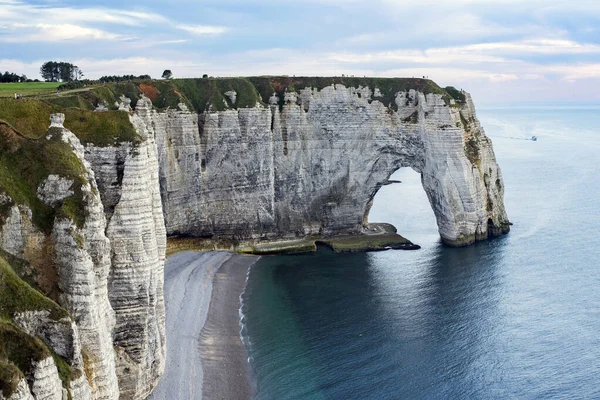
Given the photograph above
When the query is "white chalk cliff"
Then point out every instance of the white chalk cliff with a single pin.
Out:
(307, 162)
(314, 165)
(109, 275)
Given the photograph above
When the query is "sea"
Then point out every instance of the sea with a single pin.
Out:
(517, 317)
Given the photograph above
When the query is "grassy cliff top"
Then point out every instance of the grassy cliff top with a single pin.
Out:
(30, 116)
(77, 101)
(201, 94)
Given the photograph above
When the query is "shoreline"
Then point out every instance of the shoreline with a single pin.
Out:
(224, 355)
(205, 354)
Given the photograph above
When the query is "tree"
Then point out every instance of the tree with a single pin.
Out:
(167, 74)
(11, 77)
(77, 72)
(205, 76)
(53, 71)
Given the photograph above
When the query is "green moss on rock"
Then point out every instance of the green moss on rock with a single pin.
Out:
(18, 353)
(362, 243)
(102, 129)
(26, 163)
(456, 94)
(17, 296)
(73, 101)
(10, 376)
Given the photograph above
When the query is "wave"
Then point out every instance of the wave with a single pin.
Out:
(244, 335)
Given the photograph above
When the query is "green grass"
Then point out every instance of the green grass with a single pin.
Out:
(18, 349)
(456, 94)
(31, 118)
(17, 295)
(10, 375)
(26, 163)
(71, 101)
(28, 88)
(199, 94)
(102, 129)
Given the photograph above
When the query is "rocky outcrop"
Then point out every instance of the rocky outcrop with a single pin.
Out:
(88, 224)
(137, 233)
(83, 259)
(116, 332)
(312, 164)
(46, 384)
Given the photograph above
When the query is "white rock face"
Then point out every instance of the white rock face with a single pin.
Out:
(125, 104)
(130, 342)
(57, 120)
(137, 233)
(55, 189)
(83, 259)
(232, 95)
(314, 166)
(62, 336)
(311, 166)
(12, 233)
(46, 383)
(80, 389)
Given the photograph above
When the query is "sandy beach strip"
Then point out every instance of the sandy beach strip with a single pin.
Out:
(224, 356)
(202, 292)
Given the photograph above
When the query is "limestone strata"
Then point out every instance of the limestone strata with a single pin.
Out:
(83, 260)
(137, 233)
(118, 331)
(60, 335)
(46, 383)
(314, 165)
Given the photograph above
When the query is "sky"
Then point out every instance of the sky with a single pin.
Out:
(498, 50)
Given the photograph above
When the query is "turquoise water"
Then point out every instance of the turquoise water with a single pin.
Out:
(515, 317)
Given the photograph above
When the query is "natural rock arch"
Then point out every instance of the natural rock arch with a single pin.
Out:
(311, 165)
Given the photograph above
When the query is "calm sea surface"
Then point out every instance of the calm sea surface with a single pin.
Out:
(512, 318)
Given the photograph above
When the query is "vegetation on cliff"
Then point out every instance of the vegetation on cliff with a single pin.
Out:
(31, 117)
(202, 94)
(18, 350)
(25, 163)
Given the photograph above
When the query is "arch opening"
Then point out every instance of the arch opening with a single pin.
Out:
(402, 202)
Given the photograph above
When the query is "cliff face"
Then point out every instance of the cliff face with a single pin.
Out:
(312, 165)
(137, 233)
(84, 217)
(105, 274)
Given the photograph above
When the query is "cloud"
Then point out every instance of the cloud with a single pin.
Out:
(573, 72)
(201, 30)
(529, 46)
(22, 33)
(17, 11)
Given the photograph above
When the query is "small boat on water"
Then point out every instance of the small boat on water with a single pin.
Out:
(534, 138)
